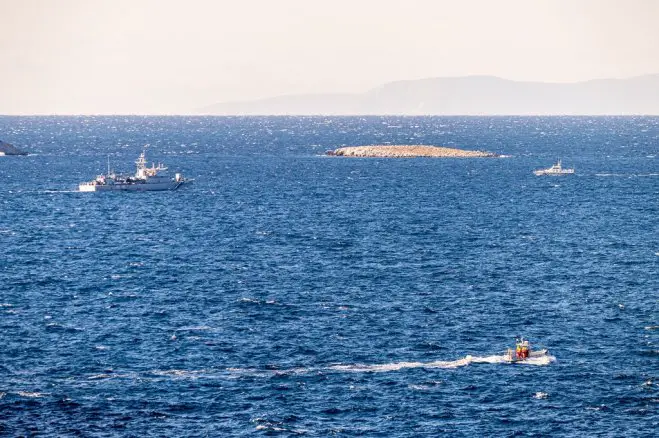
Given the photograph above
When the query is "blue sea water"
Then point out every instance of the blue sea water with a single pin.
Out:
(288, 293)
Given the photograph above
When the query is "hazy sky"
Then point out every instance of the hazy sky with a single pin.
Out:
(172, 56)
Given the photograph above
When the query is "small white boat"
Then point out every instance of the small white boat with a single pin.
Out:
(556, 169)
(523, 351)
(146, 179)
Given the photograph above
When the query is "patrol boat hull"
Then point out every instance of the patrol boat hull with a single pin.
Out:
(133, 187)
(533, 354)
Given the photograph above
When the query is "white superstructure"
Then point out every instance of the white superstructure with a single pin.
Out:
(154, 178)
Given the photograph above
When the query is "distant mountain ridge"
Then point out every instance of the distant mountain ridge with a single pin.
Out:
(469, 95)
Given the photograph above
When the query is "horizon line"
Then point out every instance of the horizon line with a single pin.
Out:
(326, 115)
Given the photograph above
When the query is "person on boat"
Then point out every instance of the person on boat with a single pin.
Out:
(521, 349)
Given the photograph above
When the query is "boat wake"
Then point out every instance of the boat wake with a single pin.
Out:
(626, 175)
(541, 360)
(467, 360)
(396, 366)
(234, 373)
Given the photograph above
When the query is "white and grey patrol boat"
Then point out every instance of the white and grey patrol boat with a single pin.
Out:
(146, 179)
(556, 169)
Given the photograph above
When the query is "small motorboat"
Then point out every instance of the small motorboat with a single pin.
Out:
(523, 351)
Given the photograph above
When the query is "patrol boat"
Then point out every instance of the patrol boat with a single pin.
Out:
(556, 169)
(523, 351)
(146, 179)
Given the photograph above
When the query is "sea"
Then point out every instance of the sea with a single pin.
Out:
(286, 292)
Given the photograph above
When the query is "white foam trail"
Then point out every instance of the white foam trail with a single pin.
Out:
(627, 175)
(539, 361)
(340, 368)
(57, 191)
(359, 368)
(490, 359)
(397, 366)
(467, 360)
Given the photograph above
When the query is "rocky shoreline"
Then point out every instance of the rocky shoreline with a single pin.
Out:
(407, 151)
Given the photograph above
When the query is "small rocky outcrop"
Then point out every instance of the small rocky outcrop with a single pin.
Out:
(8, 149)
(407, 151)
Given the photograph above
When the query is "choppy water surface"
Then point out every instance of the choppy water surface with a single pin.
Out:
(291, 293)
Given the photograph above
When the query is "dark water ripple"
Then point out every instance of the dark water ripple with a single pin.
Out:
(288, 293)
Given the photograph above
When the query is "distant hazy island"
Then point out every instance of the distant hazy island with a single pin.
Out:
(7, 149)
(469, 95)
(407, 151)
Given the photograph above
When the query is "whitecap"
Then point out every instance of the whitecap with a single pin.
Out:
(30, 394)
(188, 374)
(270, 428)
(428, 386)
(101, 376)
(194, 328)
(540, 395)
(171, 372)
